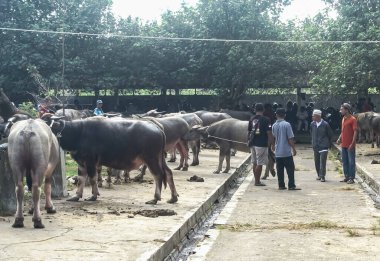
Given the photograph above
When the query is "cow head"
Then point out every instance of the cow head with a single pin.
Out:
(57, 124)
(197, 132)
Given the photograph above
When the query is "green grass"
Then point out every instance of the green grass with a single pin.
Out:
(71, 166)
(352, 233)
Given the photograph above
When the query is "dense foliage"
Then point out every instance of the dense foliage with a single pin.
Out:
(40, 62)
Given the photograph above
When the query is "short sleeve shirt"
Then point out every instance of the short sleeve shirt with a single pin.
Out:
(349, 125)
(260, 138)
(282, 132)
(98, 111)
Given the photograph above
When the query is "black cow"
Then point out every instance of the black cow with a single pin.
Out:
(117, 143)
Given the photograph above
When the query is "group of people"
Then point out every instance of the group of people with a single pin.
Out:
(279, 138)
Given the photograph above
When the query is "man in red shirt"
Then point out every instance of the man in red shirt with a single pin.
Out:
(347, 139)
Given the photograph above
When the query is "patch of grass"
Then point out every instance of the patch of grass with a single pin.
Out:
(347, 188)
(71, 166)
(323, 224)
(352, 233)
(375, 228)
(339, 169)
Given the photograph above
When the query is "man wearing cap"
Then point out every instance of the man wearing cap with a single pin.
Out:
(283, 148)
(260, 130)
(321, 140)
(347, 139)
(98, 110)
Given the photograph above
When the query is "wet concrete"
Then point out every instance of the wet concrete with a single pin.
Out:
(323, 221)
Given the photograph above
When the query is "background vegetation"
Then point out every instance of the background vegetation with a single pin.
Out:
(33, 62)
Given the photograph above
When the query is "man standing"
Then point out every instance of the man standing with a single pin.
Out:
(284, 144)
(98, 110)
(347, 139)
(321, 140)
(260, 136)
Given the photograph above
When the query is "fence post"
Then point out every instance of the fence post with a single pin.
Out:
(59, 183)
(7, 185)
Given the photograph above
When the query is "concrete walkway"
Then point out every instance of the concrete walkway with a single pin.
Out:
(323, 221)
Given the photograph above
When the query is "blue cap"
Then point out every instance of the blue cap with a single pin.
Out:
(99, 101)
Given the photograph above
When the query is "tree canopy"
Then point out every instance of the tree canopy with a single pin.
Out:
(36, 61)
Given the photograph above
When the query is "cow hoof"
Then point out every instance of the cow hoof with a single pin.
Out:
(265, 177)
(178, 168)
(117, 182)
(173, 200)
(152, 202)
(73, 199)
(194, 164)
(92, 198)
(226, 171)
(273, 172)
(19, 222)
(31, 210)
(171, 160)
(50, 210)
(38, 223)
(100, 184)
(216, 172)
(139, 178)
(185, 168)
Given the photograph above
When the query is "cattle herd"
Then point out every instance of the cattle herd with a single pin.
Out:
(124, 144)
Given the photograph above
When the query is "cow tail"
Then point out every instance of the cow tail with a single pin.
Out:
(163, 161)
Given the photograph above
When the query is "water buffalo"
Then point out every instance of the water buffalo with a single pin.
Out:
(240, 115)
(117, 143)
(228, 134)
(209, 118)
(192, 120)
(71, 114)
(365, 130)
(33, 152)
(375, 127)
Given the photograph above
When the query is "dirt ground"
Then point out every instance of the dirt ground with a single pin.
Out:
(119, 226)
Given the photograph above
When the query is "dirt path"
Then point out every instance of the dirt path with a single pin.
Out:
(323, 221)
(117, 226)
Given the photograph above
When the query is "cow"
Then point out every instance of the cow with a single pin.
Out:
(209, 118)
(192, 120)
(33, 152)
(365, 131)
(117, 143)
(228, 134)
(240, 115)
(375, 127)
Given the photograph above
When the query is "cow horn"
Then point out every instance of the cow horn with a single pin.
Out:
(55, 117)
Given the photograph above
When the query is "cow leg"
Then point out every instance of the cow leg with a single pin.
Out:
(37, 176)
(169, 178)
(100, 178)
(140, 177)
(158, 174)
(82, 176)
(19, 218)
(49, 207)
(228, 162)
(222, 155)
(92, 170)
(127, 177)
(173, 156)
(195, 148)
(184, 152)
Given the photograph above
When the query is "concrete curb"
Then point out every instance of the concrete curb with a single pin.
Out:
(191, 222)
(364, 174)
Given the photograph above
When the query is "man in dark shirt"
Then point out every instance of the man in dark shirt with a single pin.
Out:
(260, 137)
